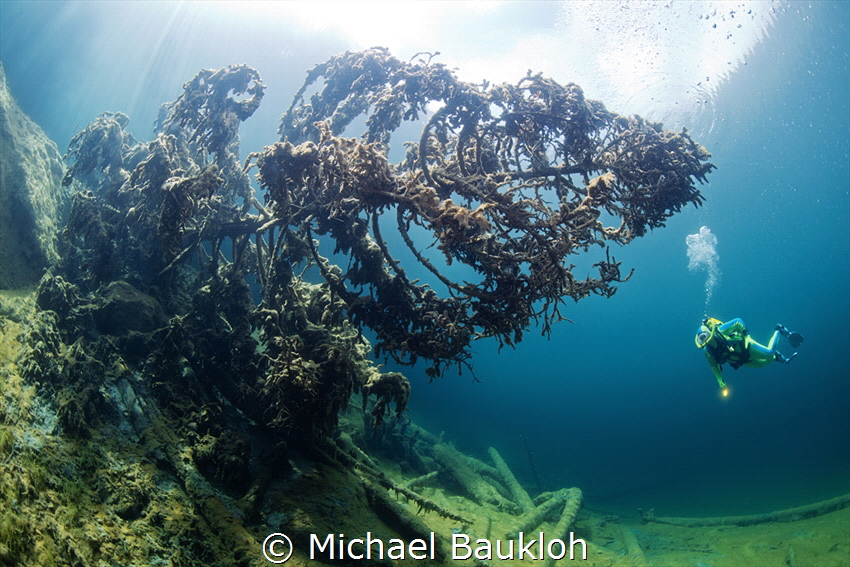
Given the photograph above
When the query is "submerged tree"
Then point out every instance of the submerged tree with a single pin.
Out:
(511, 180)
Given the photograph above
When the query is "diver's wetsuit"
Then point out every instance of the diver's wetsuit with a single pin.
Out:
(732, 344)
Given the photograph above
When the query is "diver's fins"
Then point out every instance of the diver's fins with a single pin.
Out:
(784, 359)
(795, 339)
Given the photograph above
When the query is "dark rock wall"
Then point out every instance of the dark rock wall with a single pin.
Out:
(33, 203)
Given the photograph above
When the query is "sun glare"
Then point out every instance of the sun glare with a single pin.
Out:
(364, 23)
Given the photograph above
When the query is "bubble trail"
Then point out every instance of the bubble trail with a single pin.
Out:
(702, 256)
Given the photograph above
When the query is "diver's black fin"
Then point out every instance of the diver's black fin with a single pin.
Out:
(795, 339)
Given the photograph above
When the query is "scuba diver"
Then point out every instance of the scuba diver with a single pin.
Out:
(731, 342)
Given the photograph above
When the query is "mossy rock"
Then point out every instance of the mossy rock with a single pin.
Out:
(123, 308)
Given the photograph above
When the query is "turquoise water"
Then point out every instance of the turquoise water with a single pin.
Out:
(622, 404)
(619, 402)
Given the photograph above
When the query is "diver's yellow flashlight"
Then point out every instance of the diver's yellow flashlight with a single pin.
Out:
(725, 392)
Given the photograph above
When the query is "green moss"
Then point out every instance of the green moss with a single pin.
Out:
(71, 490)
(48, 559)
(32, 470)
(70, 513)
(38, 477)
(14, 534)
(7, 440)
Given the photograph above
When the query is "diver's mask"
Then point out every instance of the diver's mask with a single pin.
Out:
(706, 332)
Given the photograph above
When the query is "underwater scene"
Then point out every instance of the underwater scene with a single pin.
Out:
(425, 283)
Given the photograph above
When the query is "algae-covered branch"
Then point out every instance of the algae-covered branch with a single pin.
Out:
(170, 260)
(510, 180)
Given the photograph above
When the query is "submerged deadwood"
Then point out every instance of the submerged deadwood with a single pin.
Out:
(529, 521)
(568, 515)
(175, 220)
(787, 515)
(518, 493)
(510, 180)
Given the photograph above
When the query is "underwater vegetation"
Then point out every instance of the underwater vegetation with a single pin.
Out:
(509, 179)
(198, 391)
